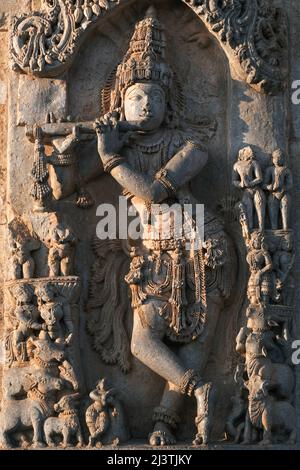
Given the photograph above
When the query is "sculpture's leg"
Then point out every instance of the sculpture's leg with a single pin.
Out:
(248, 430)
(79, 436)
(28, 268)
(54, 264)
(66, 438)
(148, 347)
(5, 442)
(260, 207)
(273, 205)
(248, 204)
(193, 356)
(37, 424)
(284, 207)
(165, 417)
(66, 266)
(48, 438)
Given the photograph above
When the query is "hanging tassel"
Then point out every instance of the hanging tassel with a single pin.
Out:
(178, 299)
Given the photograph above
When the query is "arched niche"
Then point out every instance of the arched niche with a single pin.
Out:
(214, 86)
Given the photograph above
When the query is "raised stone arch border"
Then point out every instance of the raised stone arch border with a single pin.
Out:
(253, 35)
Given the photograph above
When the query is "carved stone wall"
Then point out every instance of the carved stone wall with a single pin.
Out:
(233, 65)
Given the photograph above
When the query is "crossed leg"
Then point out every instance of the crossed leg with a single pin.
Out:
(148, 346)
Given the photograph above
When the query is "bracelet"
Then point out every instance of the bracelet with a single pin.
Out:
(168, 183)
(112, 163)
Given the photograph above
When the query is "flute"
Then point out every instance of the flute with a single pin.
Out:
(86, 129)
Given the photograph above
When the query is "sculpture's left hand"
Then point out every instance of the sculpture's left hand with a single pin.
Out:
(110, 140)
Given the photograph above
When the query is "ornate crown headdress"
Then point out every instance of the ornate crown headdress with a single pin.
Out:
(144, 61)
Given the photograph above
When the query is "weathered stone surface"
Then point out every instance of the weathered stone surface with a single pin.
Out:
(204, 83)
(50, 97)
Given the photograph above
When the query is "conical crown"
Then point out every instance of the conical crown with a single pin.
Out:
(145, 59)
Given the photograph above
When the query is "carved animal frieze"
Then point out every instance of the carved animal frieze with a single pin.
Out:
(40, 361)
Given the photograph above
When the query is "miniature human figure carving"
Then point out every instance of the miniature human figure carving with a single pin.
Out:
(154, 164)
(105, 417)
(55, 311)
(61, 251)
(278, 182)
(247, 176)
(260, 265)
(64, 159)
(66, 424)
(283, 262)
(22, 244)
(27, 316)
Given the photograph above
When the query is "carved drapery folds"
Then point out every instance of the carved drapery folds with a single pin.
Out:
(253, 34)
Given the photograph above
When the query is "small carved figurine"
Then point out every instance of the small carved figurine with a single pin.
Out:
(276, 418)
(283, 262)
(27, 315)
(66, 424)
(278, 182)
(61, 252)
(55, 311)
(22, 244)
(247, 176)
(260, 265)
(105, 417)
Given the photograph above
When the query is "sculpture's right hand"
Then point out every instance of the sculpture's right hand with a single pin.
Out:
(110, 141)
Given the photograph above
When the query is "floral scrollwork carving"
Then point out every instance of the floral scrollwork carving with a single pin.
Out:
(252, 33)
(43, 43)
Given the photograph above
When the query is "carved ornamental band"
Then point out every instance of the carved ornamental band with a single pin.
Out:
(253, 34)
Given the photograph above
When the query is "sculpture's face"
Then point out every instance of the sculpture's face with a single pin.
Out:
(278, 158)
(246, 154)
(286, 244)
(145, 106)
(256, 243)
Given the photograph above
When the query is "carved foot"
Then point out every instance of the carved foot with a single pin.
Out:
(161, 436)
(6, 445)
(38, 444)
(265, 442)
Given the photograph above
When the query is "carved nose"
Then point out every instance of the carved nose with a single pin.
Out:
(147, 107)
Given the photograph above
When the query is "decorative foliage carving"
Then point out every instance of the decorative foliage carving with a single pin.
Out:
(252, 33)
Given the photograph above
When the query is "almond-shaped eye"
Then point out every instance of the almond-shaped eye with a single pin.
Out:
(157, 97)
(135, 97)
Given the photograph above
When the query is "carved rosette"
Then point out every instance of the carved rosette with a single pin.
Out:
(253, 34)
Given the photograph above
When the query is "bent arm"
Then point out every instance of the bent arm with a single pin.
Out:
(183, 167)
(257, 175)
